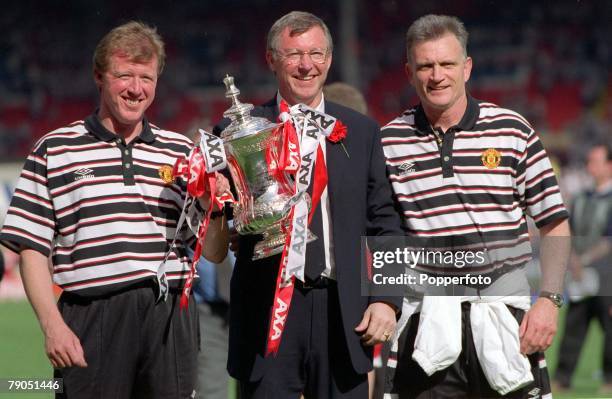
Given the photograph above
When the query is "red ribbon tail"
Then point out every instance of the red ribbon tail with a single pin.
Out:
(282, 293)
(320, 181)
(184, 302)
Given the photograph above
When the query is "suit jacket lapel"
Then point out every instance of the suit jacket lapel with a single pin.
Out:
(338, 173)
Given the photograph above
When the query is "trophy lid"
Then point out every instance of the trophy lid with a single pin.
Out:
(242, 123)
(238, 110)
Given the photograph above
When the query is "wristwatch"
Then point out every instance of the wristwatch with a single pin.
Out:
(557, 299)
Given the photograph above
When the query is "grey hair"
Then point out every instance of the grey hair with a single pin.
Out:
(432, 26)
(298, 22)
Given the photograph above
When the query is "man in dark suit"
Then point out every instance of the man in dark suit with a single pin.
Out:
(325, 350)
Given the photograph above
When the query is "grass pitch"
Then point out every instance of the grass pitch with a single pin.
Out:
(22, 353)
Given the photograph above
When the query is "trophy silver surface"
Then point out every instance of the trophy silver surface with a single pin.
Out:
(263, 199)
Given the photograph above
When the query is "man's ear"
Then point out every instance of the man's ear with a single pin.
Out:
(98, 78)
(408, 71)
(270, 60)
(467, 69)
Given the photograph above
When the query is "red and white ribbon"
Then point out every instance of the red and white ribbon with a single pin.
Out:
(307, 125)
(200, 170)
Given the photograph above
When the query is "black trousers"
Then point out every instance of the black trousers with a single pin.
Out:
(134, 347)
(462, 379)
(577, 321)
(313, 358)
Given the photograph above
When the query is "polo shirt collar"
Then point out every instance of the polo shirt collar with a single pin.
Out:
(95, 127)
(467, 122)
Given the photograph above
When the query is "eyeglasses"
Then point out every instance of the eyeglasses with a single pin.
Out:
(294, 56)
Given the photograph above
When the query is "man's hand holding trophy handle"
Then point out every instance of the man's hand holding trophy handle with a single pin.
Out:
(222, 189)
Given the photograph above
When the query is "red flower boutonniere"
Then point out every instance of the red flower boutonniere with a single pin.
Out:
(338, 134)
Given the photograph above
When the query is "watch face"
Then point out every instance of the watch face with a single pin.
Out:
(557, 299)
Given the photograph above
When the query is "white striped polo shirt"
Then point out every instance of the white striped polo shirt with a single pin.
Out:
(99, 207)
(476, 182)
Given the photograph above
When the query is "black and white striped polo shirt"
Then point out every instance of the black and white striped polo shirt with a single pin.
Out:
(477, 181)
(99, 207)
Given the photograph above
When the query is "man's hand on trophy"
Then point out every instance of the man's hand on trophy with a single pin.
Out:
(223, 185)
(222, 188)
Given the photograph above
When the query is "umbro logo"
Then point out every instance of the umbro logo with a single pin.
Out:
(406, 167)
(83, 173)
(534, 393)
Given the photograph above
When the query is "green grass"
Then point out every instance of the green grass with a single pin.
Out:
(587, 377)
(22, 353)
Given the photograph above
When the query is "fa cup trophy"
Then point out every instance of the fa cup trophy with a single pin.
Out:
(264, 200)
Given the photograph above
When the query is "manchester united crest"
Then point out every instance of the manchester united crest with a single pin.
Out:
(491, 158)
(165, 173)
